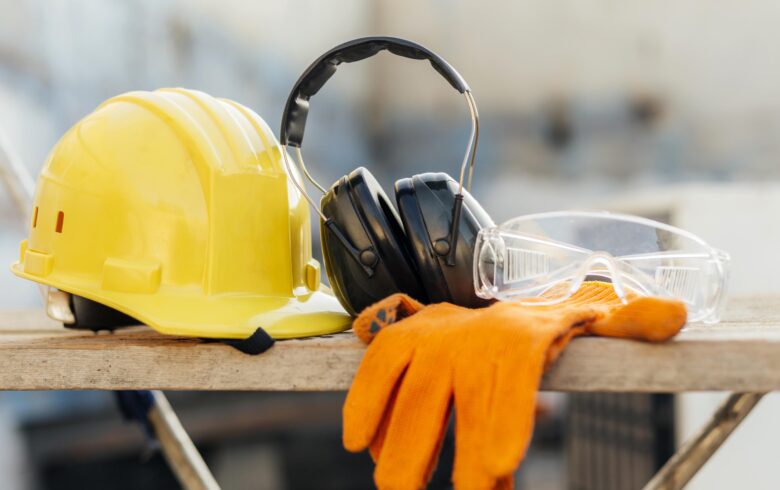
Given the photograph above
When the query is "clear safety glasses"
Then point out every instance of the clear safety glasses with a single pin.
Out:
(551, 254)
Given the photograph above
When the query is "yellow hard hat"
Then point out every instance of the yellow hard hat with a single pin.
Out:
(173, 207)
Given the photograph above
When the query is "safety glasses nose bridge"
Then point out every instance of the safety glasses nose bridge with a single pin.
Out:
(604, 266)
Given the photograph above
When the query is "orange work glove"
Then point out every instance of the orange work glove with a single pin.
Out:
(488, 362)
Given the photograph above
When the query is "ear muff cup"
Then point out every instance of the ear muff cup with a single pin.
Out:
(364, 213)
(425, 203)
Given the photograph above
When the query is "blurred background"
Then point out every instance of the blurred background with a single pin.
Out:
(666, 109)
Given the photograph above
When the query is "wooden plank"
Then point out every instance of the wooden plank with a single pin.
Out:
(740, 354)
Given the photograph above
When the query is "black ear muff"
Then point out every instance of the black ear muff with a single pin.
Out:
(425, 203)
(368, 251)
(364, 214)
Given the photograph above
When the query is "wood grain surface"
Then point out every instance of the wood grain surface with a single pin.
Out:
(742, 353)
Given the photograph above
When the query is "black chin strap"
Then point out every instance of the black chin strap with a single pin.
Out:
(255, 344)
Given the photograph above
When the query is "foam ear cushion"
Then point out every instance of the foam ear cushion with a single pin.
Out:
(425, 204)
(364, 213)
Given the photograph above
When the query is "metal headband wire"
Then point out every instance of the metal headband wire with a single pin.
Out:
(468, 159)
(293, 177)
(299, 157)
(473, 141)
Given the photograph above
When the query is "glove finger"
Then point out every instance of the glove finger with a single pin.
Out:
(510, 424)
(417, 425)
(518, 374)
(645, 318)
(379, 438)
(380, 370)
(473, 386)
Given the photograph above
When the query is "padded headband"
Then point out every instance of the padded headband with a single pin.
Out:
(313, 79)
(315, 76)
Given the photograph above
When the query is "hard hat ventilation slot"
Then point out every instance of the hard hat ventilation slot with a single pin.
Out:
(60, 219)
(35, 217)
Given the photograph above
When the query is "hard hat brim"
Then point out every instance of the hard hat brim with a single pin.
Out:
(223, 316)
